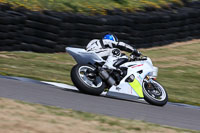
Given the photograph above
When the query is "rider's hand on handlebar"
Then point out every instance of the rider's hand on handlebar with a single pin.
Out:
(136, 53)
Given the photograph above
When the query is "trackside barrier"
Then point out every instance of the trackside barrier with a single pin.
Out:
(49, 31)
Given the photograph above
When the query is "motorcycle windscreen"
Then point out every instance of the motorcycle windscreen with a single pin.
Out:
(136, 86)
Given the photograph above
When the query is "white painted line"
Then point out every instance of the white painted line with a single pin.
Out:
(61, 85)
(66, 86)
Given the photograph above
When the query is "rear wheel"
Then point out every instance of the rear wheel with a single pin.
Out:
(154, 93)
(86, 80)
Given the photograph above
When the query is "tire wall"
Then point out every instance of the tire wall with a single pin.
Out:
(49, 31)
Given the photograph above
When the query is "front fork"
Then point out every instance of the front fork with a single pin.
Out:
(151, 87)
(149, 81)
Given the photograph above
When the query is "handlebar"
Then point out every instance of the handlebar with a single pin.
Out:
(134, 58)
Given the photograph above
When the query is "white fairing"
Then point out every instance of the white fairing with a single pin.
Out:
(82, 56)
(150, 61)
(123, 88)
(145, 66)
(134, 67)
(155, 69)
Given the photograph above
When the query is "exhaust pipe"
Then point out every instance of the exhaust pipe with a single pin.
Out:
(106, 77)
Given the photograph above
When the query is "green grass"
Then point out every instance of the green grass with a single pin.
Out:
(106, 123)
(110, 122)
(23, 117)
(90, 6)
(178, 69)
(49, 67)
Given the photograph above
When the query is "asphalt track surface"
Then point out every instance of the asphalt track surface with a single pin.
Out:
(171, 115)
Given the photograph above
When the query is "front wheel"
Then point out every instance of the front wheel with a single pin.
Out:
(86, 80)
(154, 93)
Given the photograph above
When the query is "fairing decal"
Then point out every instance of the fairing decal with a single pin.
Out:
(137, 88)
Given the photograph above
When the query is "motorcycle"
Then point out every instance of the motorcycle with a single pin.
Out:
(134, 78)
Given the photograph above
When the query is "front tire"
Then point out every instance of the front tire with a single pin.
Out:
(155, 93)
(85, 79)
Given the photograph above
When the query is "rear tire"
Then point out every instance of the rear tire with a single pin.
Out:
(85, 83)
(159, 97)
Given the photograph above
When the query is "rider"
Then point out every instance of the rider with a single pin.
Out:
(109, 49)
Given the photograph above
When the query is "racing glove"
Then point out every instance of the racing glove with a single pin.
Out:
(116, 52)
(136, 53)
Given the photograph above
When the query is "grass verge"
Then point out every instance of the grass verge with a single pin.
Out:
(178, 68)
(91, 6)
(20, 117)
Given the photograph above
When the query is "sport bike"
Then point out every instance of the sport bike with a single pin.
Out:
(133, 78)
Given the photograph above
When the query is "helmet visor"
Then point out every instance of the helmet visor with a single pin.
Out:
(110, 37)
